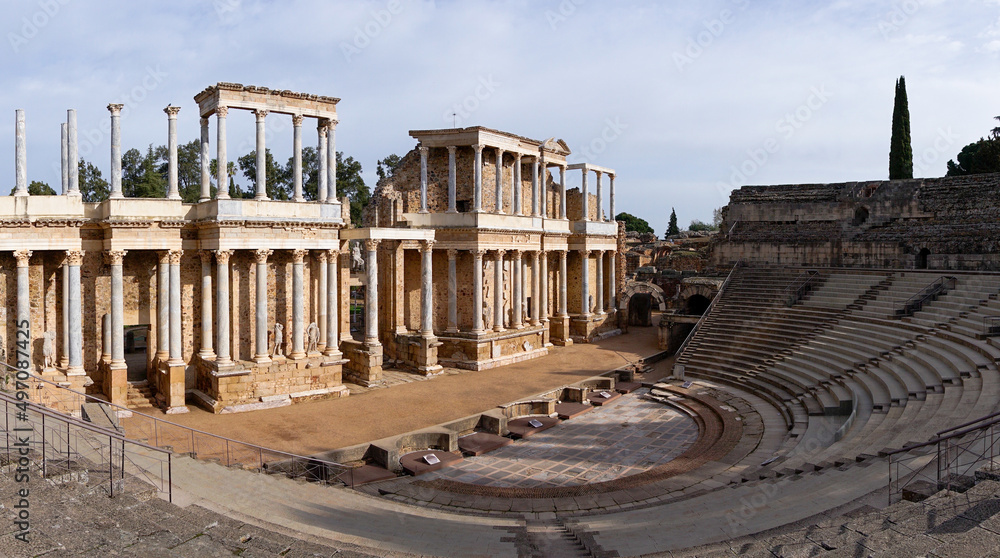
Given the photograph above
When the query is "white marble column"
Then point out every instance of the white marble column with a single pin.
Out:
(105, 339)
(599, 302)
(534, 289)
(585, 200)
(543, 202)
(612, 276)
(332, 293)
(423, 179)
(116, 150)
(298, 309)
(451, 180)
(498, 292)
(74, 261)
(426, 289)
(206, 163)
(206, 306)
(534, 187)
(562, 191)
(162, 307)
(331, 161)
(585, 283)
(563, 310)
(72, 155)
(116, 259)
(499, 183)
(222, 181)
(611, 196)
(477, 291)
(64, 358)
(323, 292)
(452, 291)
(260, 310)
(261, 155)
(321, 188)
(516, 298)
(371, 291)
(297, 158)
(64, 158)
(477, 193)
(23, 299)
(516, 206)
(176, 341)
(543, 293)
(223, 353)
(600, 198)
(172, 192)
(20, 155)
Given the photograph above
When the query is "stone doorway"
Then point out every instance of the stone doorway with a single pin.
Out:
(137, 352)
(921, 262)
(696, 305)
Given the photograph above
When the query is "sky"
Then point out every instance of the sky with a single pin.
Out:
(685, 100)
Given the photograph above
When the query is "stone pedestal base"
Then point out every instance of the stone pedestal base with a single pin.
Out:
(427, 355)
(364, 362)
(559, 331)
(116, 384)
(489, 350)
(170, 388)
(246, 386)
(546, 333)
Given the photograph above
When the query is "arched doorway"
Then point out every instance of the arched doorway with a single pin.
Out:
(640, 306)
(921, 262)
(860, 216)
(696, 304)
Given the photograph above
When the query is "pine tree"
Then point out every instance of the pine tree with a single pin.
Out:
(672, 226)
(900, 151)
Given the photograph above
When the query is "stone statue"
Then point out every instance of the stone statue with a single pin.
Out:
(279, 339)
(591, 303)
(357, 261)
(312, 338)
(49, 348)
(487, 308)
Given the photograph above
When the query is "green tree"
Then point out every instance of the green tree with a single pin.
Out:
(350, 184)
(698, 225)
(234, 189)
(37, 188)
(387, 167)
(672, 225)
(900, 150)
(277, 185)
(142, 175)
(633, 223)
(189, 171)
(978, 157)
(92, 186)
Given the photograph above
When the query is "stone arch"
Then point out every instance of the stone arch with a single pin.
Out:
(860, 216)
(694, 299)
(633, 287)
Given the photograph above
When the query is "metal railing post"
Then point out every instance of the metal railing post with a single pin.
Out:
(43, 447)
(111, 466)
(170, 478)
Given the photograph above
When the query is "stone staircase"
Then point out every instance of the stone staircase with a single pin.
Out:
(140, 396)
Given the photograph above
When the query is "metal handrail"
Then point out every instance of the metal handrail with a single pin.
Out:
(916, 302)
(718, 295)
(954, 432)
(801, 284)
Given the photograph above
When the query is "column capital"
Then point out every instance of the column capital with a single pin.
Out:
(518, 155)
(260, 114)
(221, 112)
(333, 254)
(499, 253)
(115, 108)
(516, 253)
(585, 253)
(74, 257)
(114, 257)
(372, 244)
(222, 256)
(175, 256)
(22, 257)
(478, 147)
(206, 256)
(260, 255)
(203, 121)
(321, 256)
(478, 252)
(452, 253)
(323, 125)
(598, 173)
(299, 255)
(163, 257)
(501, 151)
(427, 245)
(172, 111)
(424, 150)
(451, 149)
(297, 119)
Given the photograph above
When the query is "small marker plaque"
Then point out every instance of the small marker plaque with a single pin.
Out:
(687, 385)
(535, 423)
(605, 395)
(431, 459)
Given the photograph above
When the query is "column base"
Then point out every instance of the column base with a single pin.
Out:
(174, 197)
(261, 197)
(175, 362)
(207, 354)
(76, 371)
(262, 359)
(297, 355)
(201, 200)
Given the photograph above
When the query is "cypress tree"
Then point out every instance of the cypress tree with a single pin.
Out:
(672, 226)
(900, 151)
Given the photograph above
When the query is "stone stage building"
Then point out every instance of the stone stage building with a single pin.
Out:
(244, 303)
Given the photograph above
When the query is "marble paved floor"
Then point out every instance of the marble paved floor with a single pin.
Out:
(626, 438)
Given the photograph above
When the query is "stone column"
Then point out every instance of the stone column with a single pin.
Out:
(516, 298)
(426, 289)
(20, 155)
(371, 291)
(298, 317)
(331, 161)
(563, 311)
(206, 306)
(534, 188)
(499, 186)
(162, 307)
(324, 278)
(105, 338)
(116, 150)
(223, 354)
(585, 200)
(261, 156)
(116, 258)
(585, 283)
(600, 198)
(612, 272)
(297, 157)
(543, 202)
(534, 289)
(321, 155)
(64, 158)
(451, 180)
(498, 292)
(611, 196)
(516, 206)
(206, 163)
(562, 191)
(543, 293)
(64, 359)
(452, 291)
(23, 298)
(477, 193)
(74, 258)
(72, 155)
(477, 291)
(176, 345)
(222, 191)
(423, 179)
(599, 299)
(260, 310)
(172, 192)
(333, 274)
